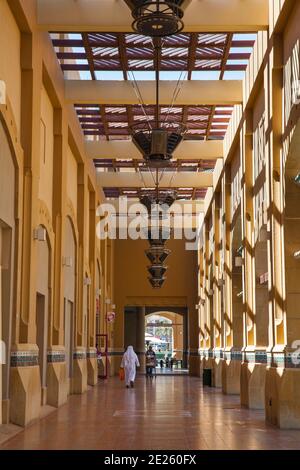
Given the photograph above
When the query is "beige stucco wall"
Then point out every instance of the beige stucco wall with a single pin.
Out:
(72, 178)
(7, 181)
(291, 32)
(7, 234)
(10, 71)
(70, 255)
(46, 151)
(42, 196)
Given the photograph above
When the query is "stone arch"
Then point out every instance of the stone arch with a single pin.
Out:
(237, 283)
(70, 292)
(177, 325)
(291, 243)
(261, 289)
(10, 204)
(98, 285)
(44, 253)
(168, 312)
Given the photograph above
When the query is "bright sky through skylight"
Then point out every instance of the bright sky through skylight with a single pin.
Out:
(168, 75)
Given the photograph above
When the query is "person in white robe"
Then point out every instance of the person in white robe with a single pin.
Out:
(130, 362)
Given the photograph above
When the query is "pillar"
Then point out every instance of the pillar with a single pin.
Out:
(217, 288)
(24, 371)
(140, 337)
(252, 370)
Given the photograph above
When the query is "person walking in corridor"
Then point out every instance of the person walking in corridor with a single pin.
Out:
(150, 362)
(130, 362)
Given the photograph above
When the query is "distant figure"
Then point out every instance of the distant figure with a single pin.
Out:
(161, 364)
(130, 362)
(171, 363)
(150, 362)
(167, 362)
(98, 351)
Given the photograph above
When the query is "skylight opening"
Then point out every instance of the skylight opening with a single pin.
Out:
(173, 75)
(109, 75)
(141, 75)
(205, 75)
(234, 75)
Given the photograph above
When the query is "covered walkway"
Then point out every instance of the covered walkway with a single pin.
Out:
(172, 413)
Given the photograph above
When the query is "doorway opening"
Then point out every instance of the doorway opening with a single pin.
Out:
(69, 335)
(5, 315)
(43, 308)
(165, 329)
(42, 333)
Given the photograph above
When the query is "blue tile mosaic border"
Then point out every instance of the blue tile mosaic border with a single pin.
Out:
(91, 354)
(79, 355)
(24, 359)
(56, 357)
(258, 357)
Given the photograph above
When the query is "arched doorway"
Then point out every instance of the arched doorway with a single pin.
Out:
(261, 291)
(164, 331)
(231, 371)
(7, 255)
(237, 285)
(70, 260)
(135, 327)
(43, 306)
(291, 245)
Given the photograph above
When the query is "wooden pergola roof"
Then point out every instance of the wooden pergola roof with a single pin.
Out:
(92, 54)
(189, 52)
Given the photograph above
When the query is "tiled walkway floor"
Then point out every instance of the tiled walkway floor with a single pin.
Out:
(166, 413)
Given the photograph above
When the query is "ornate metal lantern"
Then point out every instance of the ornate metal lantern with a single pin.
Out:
(158, 145)
(157, 18)
(157, 283)
(157, 255)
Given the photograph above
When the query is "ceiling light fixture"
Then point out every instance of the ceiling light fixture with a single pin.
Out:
(158, 140)
(157, 18)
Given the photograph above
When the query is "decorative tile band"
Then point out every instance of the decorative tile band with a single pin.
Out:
(79, 355)
(56, 357)
(91, 354)
(274, 359)
(24, 359)
(236, 356)
(218, 354)
(283, 360)
(116, 353)
(193, 354)
(258, 357)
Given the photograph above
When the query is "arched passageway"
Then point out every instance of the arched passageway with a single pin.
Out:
(43, 307)
(173, 318)
(70, 263)
(165, 331)
(7, 256)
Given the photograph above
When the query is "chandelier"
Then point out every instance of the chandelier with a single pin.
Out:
(158, 144)
(157, 139)
(157, 18)
(157, 237)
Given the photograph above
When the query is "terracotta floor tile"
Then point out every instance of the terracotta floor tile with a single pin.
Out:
(170, 413)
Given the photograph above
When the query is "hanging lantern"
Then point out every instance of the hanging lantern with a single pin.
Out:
(157, 271)
(157, 18)
(158, 145)
(157, 255)
(157, 283)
